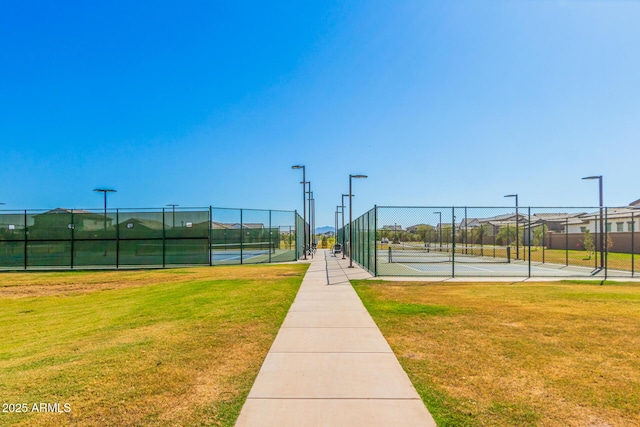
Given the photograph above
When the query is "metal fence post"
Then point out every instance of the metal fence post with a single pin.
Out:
(493, 226)
(375, 240)
(529, 238)
(566, 241)
(117, 239)
(25, 239)
(595, 221)
(271, 236)
(71, 226)
(544, 237)
(210, 241)
(606, 243)
(241, 237)
(163, 241)
(633, 248)
(453, 242)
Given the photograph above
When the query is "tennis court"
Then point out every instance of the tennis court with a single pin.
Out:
(63, 239)
(496, 241)
(485, 260)
(254, 253)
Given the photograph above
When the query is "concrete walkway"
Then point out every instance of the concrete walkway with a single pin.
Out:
(329, 364)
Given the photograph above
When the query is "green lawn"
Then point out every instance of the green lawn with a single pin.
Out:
(522, 354)
(615, 260)
(163, 348)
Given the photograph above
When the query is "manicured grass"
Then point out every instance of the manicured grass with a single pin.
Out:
(615, 260)
(525, 354)
(160, 348)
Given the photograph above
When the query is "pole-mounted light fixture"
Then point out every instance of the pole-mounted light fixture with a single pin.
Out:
(173, 212)
(105, 191)
(351, 218)
(304, 208)
(343, 232)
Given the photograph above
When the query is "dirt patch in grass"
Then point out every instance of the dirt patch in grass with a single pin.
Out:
(516, 354)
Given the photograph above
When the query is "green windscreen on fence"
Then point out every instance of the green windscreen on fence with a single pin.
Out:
(301, 226)
(120, 238)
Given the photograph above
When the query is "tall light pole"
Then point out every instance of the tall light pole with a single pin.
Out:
(105, 191)
(343, 232)
(351, 218)
(312, 216)
(173, 212)
(440, 227)
(335, 235)
(304, 208)
(517, 231)
(599, 178)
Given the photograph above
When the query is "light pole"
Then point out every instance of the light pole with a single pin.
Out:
(343, 232)
(351, 218)
(173, 213)
(440, 228)
(105, 191)
(304, 208)
(312, 216)
(517, 232)
(335, 235)
(310, 236)
(599, 178)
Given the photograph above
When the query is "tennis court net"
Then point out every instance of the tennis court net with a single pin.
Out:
(409, 254)
(256, 248)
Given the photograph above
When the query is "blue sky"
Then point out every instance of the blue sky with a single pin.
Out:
(210, 103)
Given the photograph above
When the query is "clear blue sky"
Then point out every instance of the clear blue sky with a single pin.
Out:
(211, 102)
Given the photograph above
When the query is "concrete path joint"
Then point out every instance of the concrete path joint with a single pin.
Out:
(329, 364)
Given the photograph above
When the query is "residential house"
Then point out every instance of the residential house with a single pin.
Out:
(418, 227)
(61, 218)
(618, 220)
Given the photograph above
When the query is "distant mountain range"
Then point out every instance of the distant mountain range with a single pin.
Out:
(325, 229)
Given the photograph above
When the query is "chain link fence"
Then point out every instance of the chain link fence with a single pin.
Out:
(146, 238)
(449, 241)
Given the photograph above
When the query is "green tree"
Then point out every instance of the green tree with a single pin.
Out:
(506, 235)
(478, 234)
(417, 234)
(588, 243)
(539, 234)
(446, 234)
